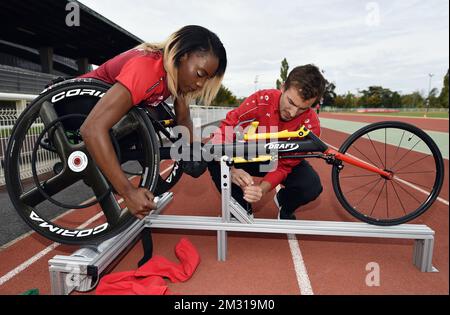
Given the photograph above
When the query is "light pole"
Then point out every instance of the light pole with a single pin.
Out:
(429, 90)
(256, 82)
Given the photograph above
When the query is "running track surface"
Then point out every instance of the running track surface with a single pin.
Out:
(433, 124)
(263, 263)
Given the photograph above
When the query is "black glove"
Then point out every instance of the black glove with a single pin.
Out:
(194, 168)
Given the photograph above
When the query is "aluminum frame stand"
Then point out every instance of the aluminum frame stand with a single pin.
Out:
(422, 235)
(81, 271)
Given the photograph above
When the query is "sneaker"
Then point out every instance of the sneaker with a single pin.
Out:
(281, 214)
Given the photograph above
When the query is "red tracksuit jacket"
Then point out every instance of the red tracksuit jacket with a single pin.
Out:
(263, 106)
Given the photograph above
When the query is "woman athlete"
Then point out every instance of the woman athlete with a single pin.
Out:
(189, 65)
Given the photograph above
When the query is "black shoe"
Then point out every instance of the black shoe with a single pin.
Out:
(281, 214)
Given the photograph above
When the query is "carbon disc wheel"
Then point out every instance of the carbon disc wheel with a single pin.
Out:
(51, 179)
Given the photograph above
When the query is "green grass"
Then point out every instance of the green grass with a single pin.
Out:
(408, 114)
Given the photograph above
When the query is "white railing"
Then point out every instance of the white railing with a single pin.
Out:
(46, 159)
(401, 109)
(16, 97)
(209, 114)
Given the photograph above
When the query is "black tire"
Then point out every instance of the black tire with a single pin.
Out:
(432, 157)
(67, 98)
(172, 174)
(168, 180)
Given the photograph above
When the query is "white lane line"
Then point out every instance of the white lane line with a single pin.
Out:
(5, 246)
(419, 189)
(445, 202)
(299, 264)
(11, 274)
(300, 267)
(41, 254)
(31, 232)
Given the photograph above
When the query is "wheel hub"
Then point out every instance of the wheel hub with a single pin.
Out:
(390, 175)
(77, 161)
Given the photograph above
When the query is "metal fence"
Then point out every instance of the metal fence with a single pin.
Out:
(401, 109)
(46, 159)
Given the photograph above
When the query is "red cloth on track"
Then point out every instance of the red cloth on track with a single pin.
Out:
(148, 279)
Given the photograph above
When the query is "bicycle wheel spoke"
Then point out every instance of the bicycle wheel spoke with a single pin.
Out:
(398, 147)
(52, 186)
(373, 146)
(364, 197)
(406, 153)
(376, 201)
(387, 201)
(421, 185)
(385, 146)
(359, 187)
(364, 155)
(424, 172)
(398, 197)
(423, 158)
(407, 192)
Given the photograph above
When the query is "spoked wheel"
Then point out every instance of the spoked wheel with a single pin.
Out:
(408, 154)
(51, 179)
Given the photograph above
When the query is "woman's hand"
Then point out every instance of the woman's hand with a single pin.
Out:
(241, 177)
(139, 202)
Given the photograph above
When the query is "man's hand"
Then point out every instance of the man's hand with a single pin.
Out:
(139, 202)
(252, 194)
(241, 177)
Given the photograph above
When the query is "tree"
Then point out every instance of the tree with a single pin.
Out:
(396, 100)
(225, 98)
(443, 97)
(329, 96)
(434, 98)
(345, 101)
(413, 100)
(377, 96)
(350, 100)
(340, 101)
(283, 73)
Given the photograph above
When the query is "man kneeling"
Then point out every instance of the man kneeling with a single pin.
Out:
(287, 109)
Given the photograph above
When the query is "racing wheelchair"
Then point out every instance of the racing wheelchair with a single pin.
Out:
(386, 173)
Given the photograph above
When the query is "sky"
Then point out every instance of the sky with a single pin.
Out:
(395, 44)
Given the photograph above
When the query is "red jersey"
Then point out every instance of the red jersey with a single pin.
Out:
(141, 72)
(264, 106)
